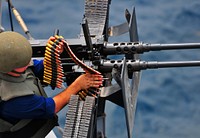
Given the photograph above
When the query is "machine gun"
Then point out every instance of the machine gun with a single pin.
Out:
(94, 48)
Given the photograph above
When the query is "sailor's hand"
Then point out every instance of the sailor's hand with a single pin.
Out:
(87, 80)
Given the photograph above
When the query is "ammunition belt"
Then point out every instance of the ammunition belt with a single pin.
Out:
(53, 71)
(96, 12)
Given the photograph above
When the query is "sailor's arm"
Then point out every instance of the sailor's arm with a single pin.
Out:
(83, 82)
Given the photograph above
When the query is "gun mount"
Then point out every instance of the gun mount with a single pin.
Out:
(93, 47)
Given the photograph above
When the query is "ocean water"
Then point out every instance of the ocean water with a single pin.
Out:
(168, 100)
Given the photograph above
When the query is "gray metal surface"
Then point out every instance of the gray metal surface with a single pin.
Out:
(129, 104)
(118, 29)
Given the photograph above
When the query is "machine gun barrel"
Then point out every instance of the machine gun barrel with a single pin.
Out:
(139, 48)
(106, 66)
